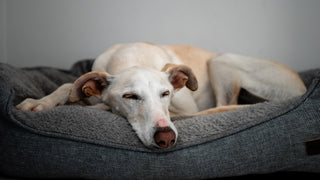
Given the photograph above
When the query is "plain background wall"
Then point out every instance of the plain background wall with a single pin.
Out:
(3, 41)
(59, 32)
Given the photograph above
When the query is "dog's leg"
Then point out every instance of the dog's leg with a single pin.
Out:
(100, 106)
(220, 109)
(225, 82)
(58, 97)
(266, 79)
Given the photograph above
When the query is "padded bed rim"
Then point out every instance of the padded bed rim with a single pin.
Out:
(7, 110)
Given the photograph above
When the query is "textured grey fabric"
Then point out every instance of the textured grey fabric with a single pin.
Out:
(75, 141)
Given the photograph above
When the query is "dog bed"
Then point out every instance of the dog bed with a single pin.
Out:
(73, 141)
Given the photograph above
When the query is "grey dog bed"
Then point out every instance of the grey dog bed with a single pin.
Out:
(79, 142)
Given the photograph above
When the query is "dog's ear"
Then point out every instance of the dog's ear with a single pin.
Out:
(180, 76)
(89, 84)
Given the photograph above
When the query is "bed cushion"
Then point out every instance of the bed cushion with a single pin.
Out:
(79, 142)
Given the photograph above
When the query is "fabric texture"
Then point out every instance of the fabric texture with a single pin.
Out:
(79, 142)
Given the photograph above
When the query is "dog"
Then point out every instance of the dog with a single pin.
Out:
(147, 84)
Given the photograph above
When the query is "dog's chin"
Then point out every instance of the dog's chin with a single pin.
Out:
(149, 144)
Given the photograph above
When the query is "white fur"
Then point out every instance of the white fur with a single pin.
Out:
(137, 69)
(144, 113)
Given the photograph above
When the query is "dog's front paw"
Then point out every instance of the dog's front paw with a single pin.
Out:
(35, 105)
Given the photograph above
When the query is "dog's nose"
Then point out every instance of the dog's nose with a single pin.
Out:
(165, 137)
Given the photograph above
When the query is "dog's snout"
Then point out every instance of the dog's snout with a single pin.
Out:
(165, 137)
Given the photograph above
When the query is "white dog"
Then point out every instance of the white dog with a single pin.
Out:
(148, 83)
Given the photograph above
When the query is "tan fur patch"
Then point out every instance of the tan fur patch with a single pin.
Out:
(221, 109)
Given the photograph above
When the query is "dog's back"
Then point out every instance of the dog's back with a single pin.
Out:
(212, 71)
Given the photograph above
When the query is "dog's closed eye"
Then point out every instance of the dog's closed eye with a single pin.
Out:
(165, 93)
(131, 96)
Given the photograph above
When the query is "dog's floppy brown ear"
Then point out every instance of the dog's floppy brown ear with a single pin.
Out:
(180, 76)
(89, 84)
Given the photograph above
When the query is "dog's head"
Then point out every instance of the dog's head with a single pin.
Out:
(142, 95)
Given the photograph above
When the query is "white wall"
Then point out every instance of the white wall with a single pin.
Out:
(59, 32)
(3, 51)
